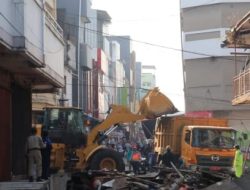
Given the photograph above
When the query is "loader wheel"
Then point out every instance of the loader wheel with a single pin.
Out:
(108, 159)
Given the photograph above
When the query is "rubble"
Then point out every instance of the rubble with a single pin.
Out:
(163, 179)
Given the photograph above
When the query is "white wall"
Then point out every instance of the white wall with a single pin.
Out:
(68, 94)
(34, 27)
(26, 18)
(23, 18)
(120, 74)
(104, 63)
(106, 47)
(115, 49)
(90, 36)
(194, 3)
(14, 14)
(207, 47)
(54, 52)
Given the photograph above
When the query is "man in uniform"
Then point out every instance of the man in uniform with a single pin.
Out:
(46, 152)
(33, 147)
(238, 162)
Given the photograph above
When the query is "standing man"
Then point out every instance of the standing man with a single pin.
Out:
(46, 155)
(33, 147)
(168, 157)
(238, 162)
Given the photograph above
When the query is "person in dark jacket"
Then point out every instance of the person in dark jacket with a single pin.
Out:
(168, 157)
(46, 155)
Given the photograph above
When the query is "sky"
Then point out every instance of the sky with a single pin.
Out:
(156, 25)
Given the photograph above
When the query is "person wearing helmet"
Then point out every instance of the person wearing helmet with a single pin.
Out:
(238, 162)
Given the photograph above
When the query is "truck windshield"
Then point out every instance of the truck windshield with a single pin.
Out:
(213, 138)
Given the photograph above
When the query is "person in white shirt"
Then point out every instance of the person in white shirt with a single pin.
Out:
(33, 148)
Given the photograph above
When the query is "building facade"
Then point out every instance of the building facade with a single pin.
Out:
(73, 16)
(117, 73)
(208, 68)
(138, 83)
(239, 37)
(32, 56)
(125, 59)
(148, 80)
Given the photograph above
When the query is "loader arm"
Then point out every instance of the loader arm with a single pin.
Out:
(119, 114)
(153, 105)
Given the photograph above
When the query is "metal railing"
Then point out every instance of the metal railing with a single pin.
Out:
(56, 27)
(241, 83)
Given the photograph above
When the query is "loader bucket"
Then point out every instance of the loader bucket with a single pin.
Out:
(155, 104)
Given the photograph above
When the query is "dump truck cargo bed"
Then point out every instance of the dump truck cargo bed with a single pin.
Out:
(168, 130)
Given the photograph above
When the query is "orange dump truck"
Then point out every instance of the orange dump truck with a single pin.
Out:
(206, 143)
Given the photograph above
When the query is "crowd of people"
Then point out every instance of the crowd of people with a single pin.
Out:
(141, 157)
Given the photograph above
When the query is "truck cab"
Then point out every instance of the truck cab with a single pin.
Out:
(208, 147)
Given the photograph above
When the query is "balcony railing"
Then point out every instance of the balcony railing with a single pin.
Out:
(241, 88)
(54, 25)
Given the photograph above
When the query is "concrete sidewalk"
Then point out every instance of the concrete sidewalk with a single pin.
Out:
(55, 182)
(24, 185)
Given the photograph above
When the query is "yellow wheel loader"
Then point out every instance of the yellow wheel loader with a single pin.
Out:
(75, 148)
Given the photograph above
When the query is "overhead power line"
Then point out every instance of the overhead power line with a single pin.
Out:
(21, 34)
(148, 43)
(216, 100)
(121, 37)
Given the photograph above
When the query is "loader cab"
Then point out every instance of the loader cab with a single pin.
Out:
(65, 125)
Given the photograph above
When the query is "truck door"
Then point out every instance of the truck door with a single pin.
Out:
(186, 146)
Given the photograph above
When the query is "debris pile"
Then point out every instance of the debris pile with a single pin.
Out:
(161, 179)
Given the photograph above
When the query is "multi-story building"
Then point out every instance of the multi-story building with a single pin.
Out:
(138, 72)
(100, 83)
(102, 96)
(62, 96)
(73, 16)
(32, 56)
(208, 68)
(66, 94)
(148, 80)
(125, 58)
(239, 37)
(117, 73)
(138, 83)
(132, 82)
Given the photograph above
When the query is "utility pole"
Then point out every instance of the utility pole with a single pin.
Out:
(62, 100)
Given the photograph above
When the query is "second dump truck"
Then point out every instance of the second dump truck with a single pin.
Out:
(206, 143)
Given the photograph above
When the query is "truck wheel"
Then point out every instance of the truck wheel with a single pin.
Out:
(108, 159)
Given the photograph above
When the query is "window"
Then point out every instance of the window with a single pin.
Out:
(65, 119)
(213, 138)
(187, 137)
